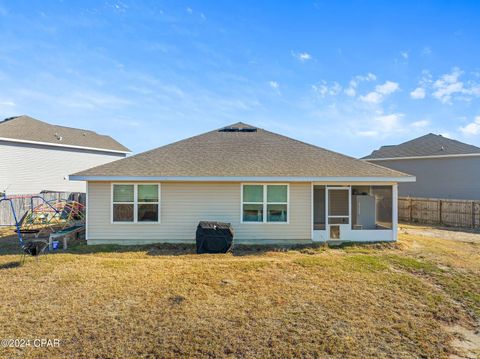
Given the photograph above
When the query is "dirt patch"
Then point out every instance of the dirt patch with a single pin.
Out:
(467, 342)
(443, 233)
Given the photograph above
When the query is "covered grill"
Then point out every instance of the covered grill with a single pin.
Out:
(214, 237)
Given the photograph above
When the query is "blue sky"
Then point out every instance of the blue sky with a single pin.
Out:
(349, 76)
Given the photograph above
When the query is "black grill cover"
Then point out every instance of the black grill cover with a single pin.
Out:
(214, 237)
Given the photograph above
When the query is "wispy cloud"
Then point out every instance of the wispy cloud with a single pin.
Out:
(404, 54)
(472, 128)
(449, 86)
(324, 88)
(302, 56)
(427, 50)
(7, 103)
(418, 94)
(383, 125)
(351, 90)
(420, 124)
(381, 92)
(274, 85)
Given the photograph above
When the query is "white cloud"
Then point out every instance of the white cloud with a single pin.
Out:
(387, 88)
(302, 56)
(351, 90)
(324, 89)
(449, 86)
(7, 103)
(472, 128)
(381, 91)
(371, 133)
(426, 51)
(274, 84)
(372, 97)
(420, 124)
(189, 10)
(404, 54)
(418, 93)
(382, 125)
(389, 123)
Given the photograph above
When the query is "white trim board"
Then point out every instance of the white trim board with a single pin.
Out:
(420, 157)
(242, 179)
(6, 139)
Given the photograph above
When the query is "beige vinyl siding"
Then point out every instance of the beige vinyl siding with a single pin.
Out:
(183, 205)
(29, 168)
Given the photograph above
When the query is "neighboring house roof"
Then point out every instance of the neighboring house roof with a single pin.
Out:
(430, 145)
(239, 151)
(29, 130)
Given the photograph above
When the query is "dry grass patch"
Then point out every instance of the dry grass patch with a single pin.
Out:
(390, 301)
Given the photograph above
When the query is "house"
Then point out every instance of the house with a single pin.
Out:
(37, 156)
(271, 188)
(444, 168)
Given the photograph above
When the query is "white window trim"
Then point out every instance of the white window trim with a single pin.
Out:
(135, 203)
(264, 203)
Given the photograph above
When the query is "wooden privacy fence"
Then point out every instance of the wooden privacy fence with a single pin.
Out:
(447, 212)
(24, 204)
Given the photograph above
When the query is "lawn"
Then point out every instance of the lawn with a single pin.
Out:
(385, 301)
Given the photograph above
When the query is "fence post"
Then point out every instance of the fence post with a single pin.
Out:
(440, 203)
(473, 214)
(410, 209)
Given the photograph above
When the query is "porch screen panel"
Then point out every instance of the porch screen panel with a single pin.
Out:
(338, 203)
(319, 207)
(383, 206)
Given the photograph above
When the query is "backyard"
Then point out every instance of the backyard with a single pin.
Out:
(419, 297)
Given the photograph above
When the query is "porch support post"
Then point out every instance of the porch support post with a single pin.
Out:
(395, 211)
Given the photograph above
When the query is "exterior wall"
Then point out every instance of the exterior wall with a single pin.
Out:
(29, 168)
(184, 204)
(456, 177)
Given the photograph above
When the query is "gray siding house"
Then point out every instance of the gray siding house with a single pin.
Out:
(444, 168)
(271, 188)
(37, 156)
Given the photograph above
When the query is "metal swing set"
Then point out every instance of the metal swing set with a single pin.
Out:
(53, 219)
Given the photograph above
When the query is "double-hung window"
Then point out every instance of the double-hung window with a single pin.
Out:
(135, 203)
(265, 203)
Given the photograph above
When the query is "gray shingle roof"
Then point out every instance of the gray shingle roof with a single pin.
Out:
(248, 152)
(26, 128)
(428, 145)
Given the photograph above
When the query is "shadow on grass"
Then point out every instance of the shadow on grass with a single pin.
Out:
(9, 245)
(10, 265)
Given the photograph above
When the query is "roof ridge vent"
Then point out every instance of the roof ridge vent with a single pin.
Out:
(238, 129)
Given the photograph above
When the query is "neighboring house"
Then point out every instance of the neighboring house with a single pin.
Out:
(444, 168)
(271, 188)
(37, 156)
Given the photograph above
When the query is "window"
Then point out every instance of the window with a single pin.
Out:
(135, 203)
(265, 203)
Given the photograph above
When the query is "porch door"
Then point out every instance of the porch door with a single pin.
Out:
(338, 211)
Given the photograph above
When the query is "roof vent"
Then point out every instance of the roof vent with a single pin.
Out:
(238, 129)
(58, 137)
(442, 148)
